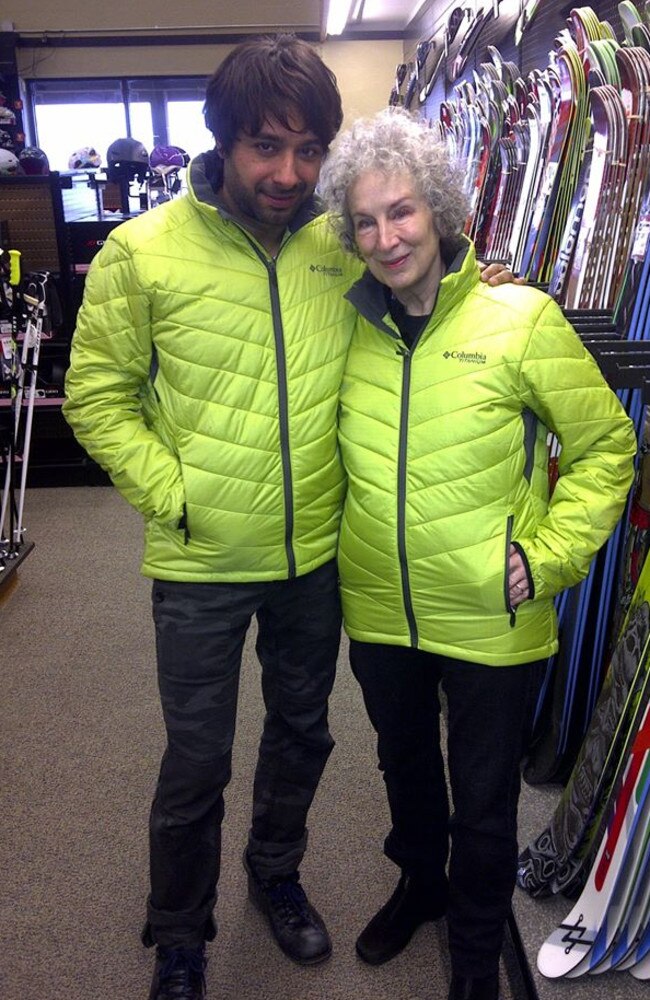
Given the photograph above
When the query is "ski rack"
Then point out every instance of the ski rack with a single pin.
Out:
(625, 364)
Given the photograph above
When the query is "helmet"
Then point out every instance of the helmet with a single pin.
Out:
(165, 159)
(9, 165)
(7, 117)
(34, 161)
(6, 142)
(87, 156)
(127, 158)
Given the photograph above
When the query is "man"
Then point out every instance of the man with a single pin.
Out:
(204, 377)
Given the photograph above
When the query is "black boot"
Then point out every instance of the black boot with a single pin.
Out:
(484, 988)
(179, 974)
(413, 903)
(296, 925)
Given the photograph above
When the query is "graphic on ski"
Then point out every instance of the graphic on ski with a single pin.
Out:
(627, 879)
(550, 861)
(571, 942)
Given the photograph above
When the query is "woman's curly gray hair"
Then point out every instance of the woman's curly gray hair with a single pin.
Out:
(393, 142)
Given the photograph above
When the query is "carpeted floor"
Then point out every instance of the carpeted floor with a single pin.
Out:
(80, 742)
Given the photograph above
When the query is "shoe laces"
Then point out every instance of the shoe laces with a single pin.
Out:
(179, 971)
(288, 899)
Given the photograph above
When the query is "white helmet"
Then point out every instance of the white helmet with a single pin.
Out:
(87, 156)
(9, 165)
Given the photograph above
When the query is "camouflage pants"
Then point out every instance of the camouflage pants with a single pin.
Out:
(200, 631)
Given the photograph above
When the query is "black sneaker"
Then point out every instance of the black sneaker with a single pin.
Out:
(296, 925)
(179, 974)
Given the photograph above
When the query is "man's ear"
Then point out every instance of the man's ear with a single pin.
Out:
(219, 148)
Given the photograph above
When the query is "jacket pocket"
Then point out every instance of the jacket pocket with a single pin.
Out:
(512, 611)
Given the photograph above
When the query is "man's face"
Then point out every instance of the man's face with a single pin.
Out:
(268, 176)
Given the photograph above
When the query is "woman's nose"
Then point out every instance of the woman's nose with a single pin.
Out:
(385, 235)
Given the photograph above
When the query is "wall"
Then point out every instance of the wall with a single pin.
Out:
(365, 70)
(77, 15)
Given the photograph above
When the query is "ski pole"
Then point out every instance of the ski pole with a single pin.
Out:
(33, 335)
(8, 502)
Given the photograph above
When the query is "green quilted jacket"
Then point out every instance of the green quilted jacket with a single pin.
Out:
(445, 447)
(204, 379)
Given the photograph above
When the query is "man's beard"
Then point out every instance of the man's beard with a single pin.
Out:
(249, 207)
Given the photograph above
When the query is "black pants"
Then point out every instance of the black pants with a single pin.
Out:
(489, 716)
(200, 631)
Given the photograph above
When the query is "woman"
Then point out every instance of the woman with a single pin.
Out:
(450, 551)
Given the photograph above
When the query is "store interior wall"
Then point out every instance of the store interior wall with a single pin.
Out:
(365, 70)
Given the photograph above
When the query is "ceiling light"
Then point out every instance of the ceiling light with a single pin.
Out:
(337, 16)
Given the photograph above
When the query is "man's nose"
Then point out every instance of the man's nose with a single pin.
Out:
(286, 172)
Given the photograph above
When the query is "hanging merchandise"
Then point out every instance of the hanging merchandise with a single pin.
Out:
(429, 67)
(529, 10)
(398, 93)
(557, 165)
(466, 35)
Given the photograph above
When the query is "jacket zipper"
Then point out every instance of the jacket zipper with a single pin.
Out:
(401, 497)
(283, 403)
(506, 581)
(283, 400)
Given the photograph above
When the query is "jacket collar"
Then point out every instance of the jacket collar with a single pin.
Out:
(206, 179)
(368, 295)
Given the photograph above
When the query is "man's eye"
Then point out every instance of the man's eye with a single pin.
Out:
(312, 153)
(362, 224)
(265, 147)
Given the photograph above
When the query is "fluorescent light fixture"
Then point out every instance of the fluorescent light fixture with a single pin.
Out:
(337, 16)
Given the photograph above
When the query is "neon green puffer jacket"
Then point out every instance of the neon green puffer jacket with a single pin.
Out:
(204, 378)
(445, 447)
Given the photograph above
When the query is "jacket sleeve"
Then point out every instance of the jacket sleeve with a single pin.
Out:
(563, 385)
(107, 383)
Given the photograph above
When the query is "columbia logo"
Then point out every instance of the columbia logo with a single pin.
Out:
(475, 358)
(332, 272)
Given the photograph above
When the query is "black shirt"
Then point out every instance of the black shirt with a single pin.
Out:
(409, 326)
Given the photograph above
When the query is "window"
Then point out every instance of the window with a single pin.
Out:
(186, 127)
(69, 114)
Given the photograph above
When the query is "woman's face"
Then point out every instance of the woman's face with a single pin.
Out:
(395, 232)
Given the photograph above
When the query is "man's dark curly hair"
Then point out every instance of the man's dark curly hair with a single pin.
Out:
(272, 77)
